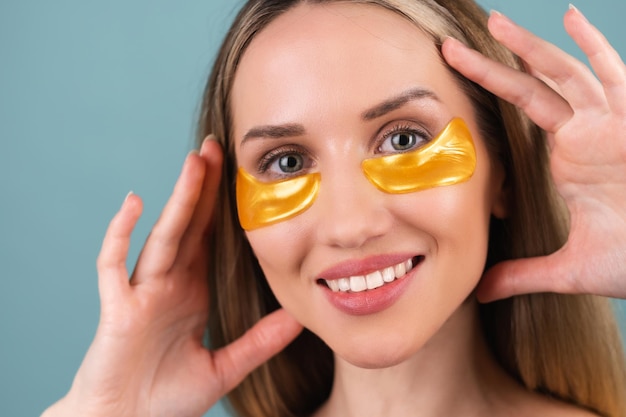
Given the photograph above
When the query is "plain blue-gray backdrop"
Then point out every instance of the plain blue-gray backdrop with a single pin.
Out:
(98, 98)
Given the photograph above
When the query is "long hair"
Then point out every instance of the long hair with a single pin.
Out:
(564, 346)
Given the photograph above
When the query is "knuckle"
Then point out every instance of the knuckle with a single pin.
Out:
(102, 262)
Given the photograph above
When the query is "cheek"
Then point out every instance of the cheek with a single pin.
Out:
(280, 250)
(464, 241)
(456, 218)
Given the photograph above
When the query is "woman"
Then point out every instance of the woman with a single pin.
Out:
(313, 99)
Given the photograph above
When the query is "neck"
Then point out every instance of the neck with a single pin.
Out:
(453, 374)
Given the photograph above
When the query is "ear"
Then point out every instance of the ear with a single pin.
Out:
(501, 193)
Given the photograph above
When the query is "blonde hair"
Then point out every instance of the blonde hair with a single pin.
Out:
(563, 346)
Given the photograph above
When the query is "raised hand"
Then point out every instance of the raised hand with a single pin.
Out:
(147, 358)
(585, 118)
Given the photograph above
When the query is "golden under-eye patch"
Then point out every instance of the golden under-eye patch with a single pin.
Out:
(448, 159)
(262, 204)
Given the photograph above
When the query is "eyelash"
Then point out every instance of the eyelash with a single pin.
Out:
(270, 157)
(402, 128)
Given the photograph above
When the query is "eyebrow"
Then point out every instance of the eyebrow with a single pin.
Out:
(398, 101)
(379, 110)
(274, 131)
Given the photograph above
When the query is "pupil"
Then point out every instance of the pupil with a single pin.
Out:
(290, 163)
(403, 140)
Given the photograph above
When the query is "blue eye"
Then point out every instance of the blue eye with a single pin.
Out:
(285, 161)
(289, 163)
(402, 141)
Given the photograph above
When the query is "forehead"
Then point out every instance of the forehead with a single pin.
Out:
(338, 22)
(345, 55)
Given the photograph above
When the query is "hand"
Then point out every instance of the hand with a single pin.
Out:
(147, 358)
(585, 119)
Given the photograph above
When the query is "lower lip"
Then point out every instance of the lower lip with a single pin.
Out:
(370, 301)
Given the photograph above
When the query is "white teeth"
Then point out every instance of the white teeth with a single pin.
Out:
(372, 280)
(333, 285)
(389, 274)
(400, 270)
(358, 283)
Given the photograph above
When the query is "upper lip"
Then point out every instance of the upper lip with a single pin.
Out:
(356, 267)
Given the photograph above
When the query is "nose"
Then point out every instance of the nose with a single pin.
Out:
(351, 210)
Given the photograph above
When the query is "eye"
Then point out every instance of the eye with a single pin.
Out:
(289, 163)
(284, 162)
(402, 140)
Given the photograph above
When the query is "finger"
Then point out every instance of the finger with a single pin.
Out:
(268, 337)
(576, 82)
(525, 276)
(211, 153)
(111, 263)
(162, 245)
(542, 77)
(603, 58)
(543, 105)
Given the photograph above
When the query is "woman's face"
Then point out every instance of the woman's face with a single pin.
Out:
(321, 89)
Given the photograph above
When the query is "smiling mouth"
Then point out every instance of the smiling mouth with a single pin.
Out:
(373, 280)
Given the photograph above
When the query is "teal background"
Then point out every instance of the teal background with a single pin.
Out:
(96, 99)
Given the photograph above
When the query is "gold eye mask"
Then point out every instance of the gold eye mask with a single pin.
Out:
(262, 204)
(448, 159)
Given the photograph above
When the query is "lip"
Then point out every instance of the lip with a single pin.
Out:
(365, 266)
(369, 301)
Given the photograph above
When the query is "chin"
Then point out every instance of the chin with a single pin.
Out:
(375, 362)
(384, 353)
(385, 344)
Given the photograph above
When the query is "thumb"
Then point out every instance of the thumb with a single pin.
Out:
(265, 339)
(525, 276)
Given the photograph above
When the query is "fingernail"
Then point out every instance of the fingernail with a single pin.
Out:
(209, 138)
(501, 16)
(189, 155)
(128, 196)
(577, 10)
(497, 13)
(454, 41)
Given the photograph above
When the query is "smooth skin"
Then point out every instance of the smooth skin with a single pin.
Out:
(147, 358)
(585, 118)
